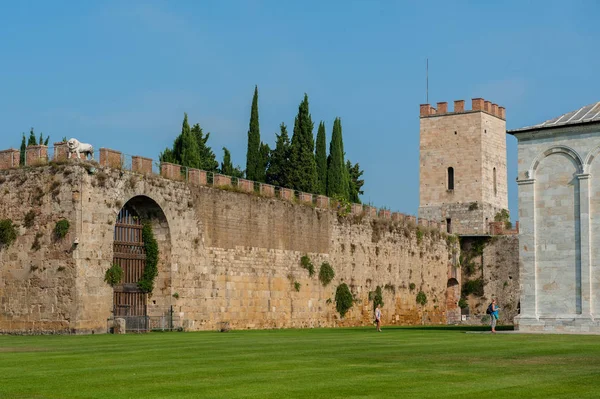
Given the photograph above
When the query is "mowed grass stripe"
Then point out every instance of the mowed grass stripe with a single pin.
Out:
(354, 362)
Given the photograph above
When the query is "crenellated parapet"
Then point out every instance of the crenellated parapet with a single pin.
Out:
(477, 105)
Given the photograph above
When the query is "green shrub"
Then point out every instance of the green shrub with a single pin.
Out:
(29, 219)
(36, 245)
(297, 286)
(113, 275)
(462, 303)
(146, 283)
(420, 235)
(377, 297)
(474, 287)
(61, 228)
(343, 299)
(307, 264)
(8, 232)
(412, 286)
(421, 298)
(326, 274)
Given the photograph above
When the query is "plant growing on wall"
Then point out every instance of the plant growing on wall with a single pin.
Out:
(307, 264)
(8, 232)
(113, 275)
(326, 274)
(503, 216)
(29, 219)
(297, 286)
(61, 228)
(462, 303)
(474, 287)
(377, 297)
(146, 283)
(343, 299)
(421, 298)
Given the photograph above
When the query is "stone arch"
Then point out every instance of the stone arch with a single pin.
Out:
(558, 149)
(148, 209)
(589, 158)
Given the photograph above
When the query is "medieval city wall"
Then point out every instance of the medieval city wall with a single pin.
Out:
(225, 256)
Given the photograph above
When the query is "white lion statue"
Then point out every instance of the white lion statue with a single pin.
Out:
(76, 147)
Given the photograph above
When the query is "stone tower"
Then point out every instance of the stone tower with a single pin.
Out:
(463, 165)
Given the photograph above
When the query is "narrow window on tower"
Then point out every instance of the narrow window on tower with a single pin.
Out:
(450, 178)
(495, 187)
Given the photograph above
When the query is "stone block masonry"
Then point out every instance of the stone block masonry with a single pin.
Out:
(225, 256)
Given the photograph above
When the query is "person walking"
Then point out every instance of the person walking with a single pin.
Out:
(378, 317)
(494, 315)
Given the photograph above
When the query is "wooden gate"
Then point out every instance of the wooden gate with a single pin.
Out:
(129, 253)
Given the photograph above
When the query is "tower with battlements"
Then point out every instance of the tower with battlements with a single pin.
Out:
(462, 172)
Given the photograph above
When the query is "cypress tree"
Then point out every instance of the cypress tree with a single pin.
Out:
(337, 175)
(253, 153)
(278, 171)
(23, 148)
(31, 140)
(355, 183)
(226, 165)
(303, 173)
(321, 160)
(208, 160)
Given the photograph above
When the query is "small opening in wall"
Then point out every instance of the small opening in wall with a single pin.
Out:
(485, 131)
(449, 226)
(154, 302)
(455, 132)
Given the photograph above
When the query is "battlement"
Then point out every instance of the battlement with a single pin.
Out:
(109, 158)
(477, 104)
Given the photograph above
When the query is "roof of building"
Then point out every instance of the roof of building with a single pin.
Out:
(587, 114)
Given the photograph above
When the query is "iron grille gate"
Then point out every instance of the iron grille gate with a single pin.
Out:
(129, 301)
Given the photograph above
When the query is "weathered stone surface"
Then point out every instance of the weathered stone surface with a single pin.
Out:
(230, 257)
(559, 212)
(119, 326)
(474, 145)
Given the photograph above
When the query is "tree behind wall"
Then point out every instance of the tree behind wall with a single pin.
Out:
(278, 170)
(23, 149)
(208, 160)
(263, 163)
(303, 173)
(355, 183)
(227, 166)
(253, 159)
(337, 174)
(190, 149)
(321, 160)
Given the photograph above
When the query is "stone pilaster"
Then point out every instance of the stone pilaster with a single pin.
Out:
(585, 282)
(527, 262)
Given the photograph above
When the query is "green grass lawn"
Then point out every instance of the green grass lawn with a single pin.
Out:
(319, 363)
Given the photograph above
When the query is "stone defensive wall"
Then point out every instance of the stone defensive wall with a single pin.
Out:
(229, 249)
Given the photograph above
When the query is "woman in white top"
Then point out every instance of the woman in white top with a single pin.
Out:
(378, 317)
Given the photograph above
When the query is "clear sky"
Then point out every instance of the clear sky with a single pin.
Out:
(120, 74)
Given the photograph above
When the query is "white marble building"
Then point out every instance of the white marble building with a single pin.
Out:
(559, 212)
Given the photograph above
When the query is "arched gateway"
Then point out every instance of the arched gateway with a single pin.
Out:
(129, 301)
(129, 254)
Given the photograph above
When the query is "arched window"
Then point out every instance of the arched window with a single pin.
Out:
(450, 178)
(495, 186)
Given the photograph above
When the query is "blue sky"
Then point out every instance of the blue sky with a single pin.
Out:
(121, 74)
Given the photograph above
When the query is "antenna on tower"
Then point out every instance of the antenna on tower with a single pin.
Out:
(427, 82)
